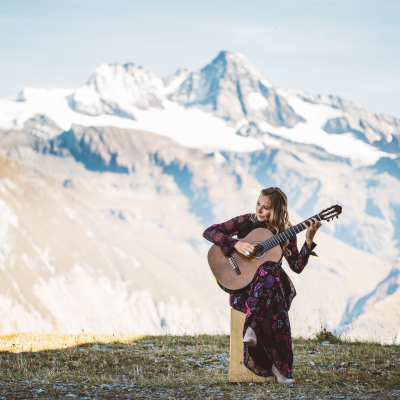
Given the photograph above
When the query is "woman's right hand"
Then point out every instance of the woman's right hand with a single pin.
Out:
(243, 248)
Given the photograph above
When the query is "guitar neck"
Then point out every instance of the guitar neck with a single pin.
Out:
(281, 237)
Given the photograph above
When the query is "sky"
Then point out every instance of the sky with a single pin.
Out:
(349, 48)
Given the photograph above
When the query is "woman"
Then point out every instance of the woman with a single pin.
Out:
(267, 337)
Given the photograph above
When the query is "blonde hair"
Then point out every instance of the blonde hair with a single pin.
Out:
(279, 216)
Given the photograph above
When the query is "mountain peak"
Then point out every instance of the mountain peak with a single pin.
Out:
(240, 62)
(235, 90)
(231, 56)
(119, 89)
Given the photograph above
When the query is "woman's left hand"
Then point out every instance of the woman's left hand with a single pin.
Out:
(311, 230)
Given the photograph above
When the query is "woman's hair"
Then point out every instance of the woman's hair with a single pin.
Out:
(279, 216)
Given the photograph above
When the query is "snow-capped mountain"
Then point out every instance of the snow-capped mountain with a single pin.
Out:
(119, 90)
(379, 130)
(170, 156)
(230, 86)
(235, 90)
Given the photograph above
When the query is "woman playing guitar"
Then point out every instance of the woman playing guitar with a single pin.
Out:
(266, 301)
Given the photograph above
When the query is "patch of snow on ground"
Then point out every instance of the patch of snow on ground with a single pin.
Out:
(257, 101)
(317, 114)
(194, 128)
(176, 82)
(191, 127)
(270, 141)
(310, 132)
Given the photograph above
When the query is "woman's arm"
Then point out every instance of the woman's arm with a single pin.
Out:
(221, 234)
(298, 260)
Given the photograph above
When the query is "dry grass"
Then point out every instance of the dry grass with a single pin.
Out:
(100, 366)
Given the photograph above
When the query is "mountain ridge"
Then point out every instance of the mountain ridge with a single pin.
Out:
(180, 153)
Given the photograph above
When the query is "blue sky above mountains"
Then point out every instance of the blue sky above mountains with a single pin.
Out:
(349, 48)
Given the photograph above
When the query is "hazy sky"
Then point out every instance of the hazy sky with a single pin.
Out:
(345, 47)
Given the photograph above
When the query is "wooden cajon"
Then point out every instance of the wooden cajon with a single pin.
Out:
(238, 372)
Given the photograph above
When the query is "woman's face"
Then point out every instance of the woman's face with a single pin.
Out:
(263, 208)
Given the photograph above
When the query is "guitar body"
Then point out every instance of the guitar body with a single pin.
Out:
(235, 273)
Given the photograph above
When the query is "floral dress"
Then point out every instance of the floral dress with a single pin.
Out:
(267, 299)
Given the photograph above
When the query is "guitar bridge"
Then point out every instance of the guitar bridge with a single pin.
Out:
(234, 265)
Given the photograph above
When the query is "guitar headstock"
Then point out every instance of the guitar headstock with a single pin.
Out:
(330, 213)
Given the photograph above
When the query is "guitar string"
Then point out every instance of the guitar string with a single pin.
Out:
(274, 240)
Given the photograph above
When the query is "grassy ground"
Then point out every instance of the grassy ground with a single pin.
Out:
(161, 367)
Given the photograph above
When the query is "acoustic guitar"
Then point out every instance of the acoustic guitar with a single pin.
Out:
(235, 273)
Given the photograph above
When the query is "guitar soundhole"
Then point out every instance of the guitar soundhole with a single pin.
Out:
(259, 253)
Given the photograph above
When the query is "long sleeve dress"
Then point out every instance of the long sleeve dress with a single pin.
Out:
(266, 301)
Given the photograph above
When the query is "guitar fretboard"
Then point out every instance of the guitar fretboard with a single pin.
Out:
(281, 237)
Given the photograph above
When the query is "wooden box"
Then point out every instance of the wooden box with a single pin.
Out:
(238, 372)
